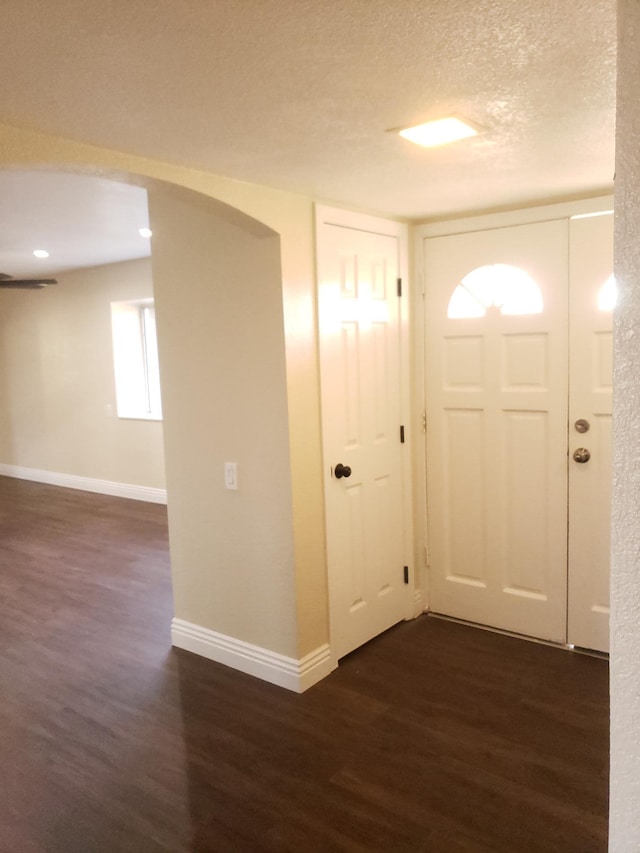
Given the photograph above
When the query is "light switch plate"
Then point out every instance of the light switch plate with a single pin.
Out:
(231, 475)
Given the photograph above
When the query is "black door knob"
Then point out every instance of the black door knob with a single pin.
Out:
(342, 471)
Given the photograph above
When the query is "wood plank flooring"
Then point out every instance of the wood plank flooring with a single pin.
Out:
(434, 737)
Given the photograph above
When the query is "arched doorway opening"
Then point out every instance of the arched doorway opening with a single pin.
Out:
(219, 303)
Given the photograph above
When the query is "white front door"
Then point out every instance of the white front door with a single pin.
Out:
(503, 387)
(590, 408)
(496, 427)
(360, 354)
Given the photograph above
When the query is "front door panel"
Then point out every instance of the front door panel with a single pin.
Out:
(496, 427)
(591, 357)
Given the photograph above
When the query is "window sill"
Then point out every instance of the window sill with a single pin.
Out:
(139, 417)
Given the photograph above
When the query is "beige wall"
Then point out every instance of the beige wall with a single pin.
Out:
(222, 359)
(57, 395)
(625, 569)
(291, 217)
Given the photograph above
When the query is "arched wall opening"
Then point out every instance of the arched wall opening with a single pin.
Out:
(237, 367)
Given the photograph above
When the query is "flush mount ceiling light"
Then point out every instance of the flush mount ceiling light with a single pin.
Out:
(40, 253)
(145, 232)
(441, 131)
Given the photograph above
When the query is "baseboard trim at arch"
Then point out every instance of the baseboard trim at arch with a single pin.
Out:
(290, 673)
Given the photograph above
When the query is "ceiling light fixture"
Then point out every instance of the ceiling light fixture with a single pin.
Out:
(41, 253)
(438, 132)
(145, 232)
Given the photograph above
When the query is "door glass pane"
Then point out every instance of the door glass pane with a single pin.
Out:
(508, 288)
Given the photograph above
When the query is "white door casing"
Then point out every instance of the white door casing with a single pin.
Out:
(496, 436)
(364, 402)
(590, 399)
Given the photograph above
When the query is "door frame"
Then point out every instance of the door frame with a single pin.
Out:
(325, 215)
(442, 228)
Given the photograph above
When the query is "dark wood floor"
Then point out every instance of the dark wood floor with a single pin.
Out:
(434, 737)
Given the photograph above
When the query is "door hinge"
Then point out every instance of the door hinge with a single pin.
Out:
(402, 434)
(399, 286)
(406, 574)
(424, 422)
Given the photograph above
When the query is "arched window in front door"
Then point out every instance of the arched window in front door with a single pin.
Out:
(508, 288)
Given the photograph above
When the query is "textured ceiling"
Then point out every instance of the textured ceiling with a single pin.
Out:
(298, 94)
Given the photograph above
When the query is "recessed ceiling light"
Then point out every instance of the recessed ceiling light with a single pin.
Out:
(438, 132)
(41, 253)
(145, 232)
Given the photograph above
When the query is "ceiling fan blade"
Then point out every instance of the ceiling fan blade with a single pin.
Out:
(24, 283)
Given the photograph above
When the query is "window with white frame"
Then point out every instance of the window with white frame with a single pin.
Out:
(135, 359)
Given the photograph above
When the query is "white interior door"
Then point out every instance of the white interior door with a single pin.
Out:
(360, 349)
(590, 409)
(497, 427)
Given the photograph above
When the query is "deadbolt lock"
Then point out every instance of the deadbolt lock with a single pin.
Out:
(582, 426)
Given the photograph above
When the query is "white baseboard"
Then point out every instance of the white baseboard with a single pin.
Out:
(296, 675)
(86, 484)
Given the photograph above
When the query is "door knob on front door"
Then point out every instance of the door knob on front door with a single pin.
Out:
(581, 455)
(342, 471)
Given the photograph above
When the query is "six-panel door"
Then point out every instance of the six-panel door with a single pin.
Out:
(361, 399)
